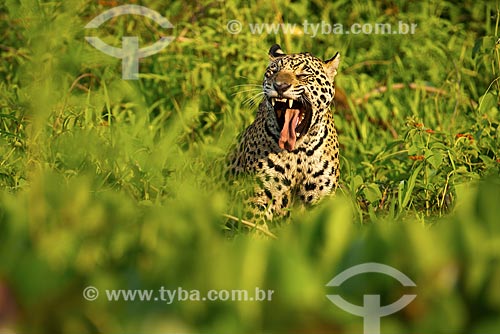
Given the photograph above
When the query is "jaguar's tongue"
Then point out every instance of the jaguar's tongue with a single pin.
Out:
(288, 136)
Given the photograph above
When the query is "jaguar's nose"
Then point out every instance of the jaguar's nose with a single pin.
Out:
(281, 87)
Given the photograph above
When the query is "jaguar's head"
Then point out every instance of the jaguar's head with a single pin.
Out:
(298, 87)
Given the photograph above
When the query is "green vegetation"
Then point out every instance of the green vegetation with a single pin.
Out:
(119, 184)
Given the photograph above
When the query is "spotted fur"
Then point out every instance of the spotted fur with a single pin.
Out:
(288, 170)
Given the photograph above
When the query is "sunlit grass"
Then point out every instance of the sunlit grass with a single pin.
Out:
(120, 184)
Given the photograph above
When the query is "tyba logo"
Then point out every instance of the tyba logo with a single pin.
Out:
(371, 311)
(130, 52)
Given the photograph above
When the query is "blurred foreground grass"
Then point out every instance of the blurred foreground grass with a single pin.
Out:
(118, 184)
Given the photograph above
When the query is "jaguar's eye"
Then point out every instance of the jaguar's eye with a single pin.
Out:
(302, 76)
(273, 67)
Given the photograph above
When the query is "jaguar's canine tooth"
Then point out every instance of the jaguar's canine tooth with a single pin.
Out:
(273, 101)
(290, 103)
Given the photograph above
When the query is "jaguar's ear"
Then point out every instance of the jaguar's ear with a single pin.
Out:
(331, 66)
(275, 51)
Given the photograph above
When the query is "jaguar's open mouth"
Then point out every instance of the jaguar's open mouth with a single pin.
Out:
(294, 119)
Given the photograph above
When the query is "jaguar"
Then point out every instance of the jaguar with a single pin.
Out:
(291, 147)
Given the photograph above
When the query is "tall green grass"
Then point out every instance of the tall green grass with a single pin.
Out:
(119, 184)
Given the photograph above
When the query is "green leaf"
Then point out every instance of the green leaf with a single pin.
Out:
(372, 193)
(413, 150)
(483, 45)
(411, 185)
(434, 157)
(357, 181)
(486, 102)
